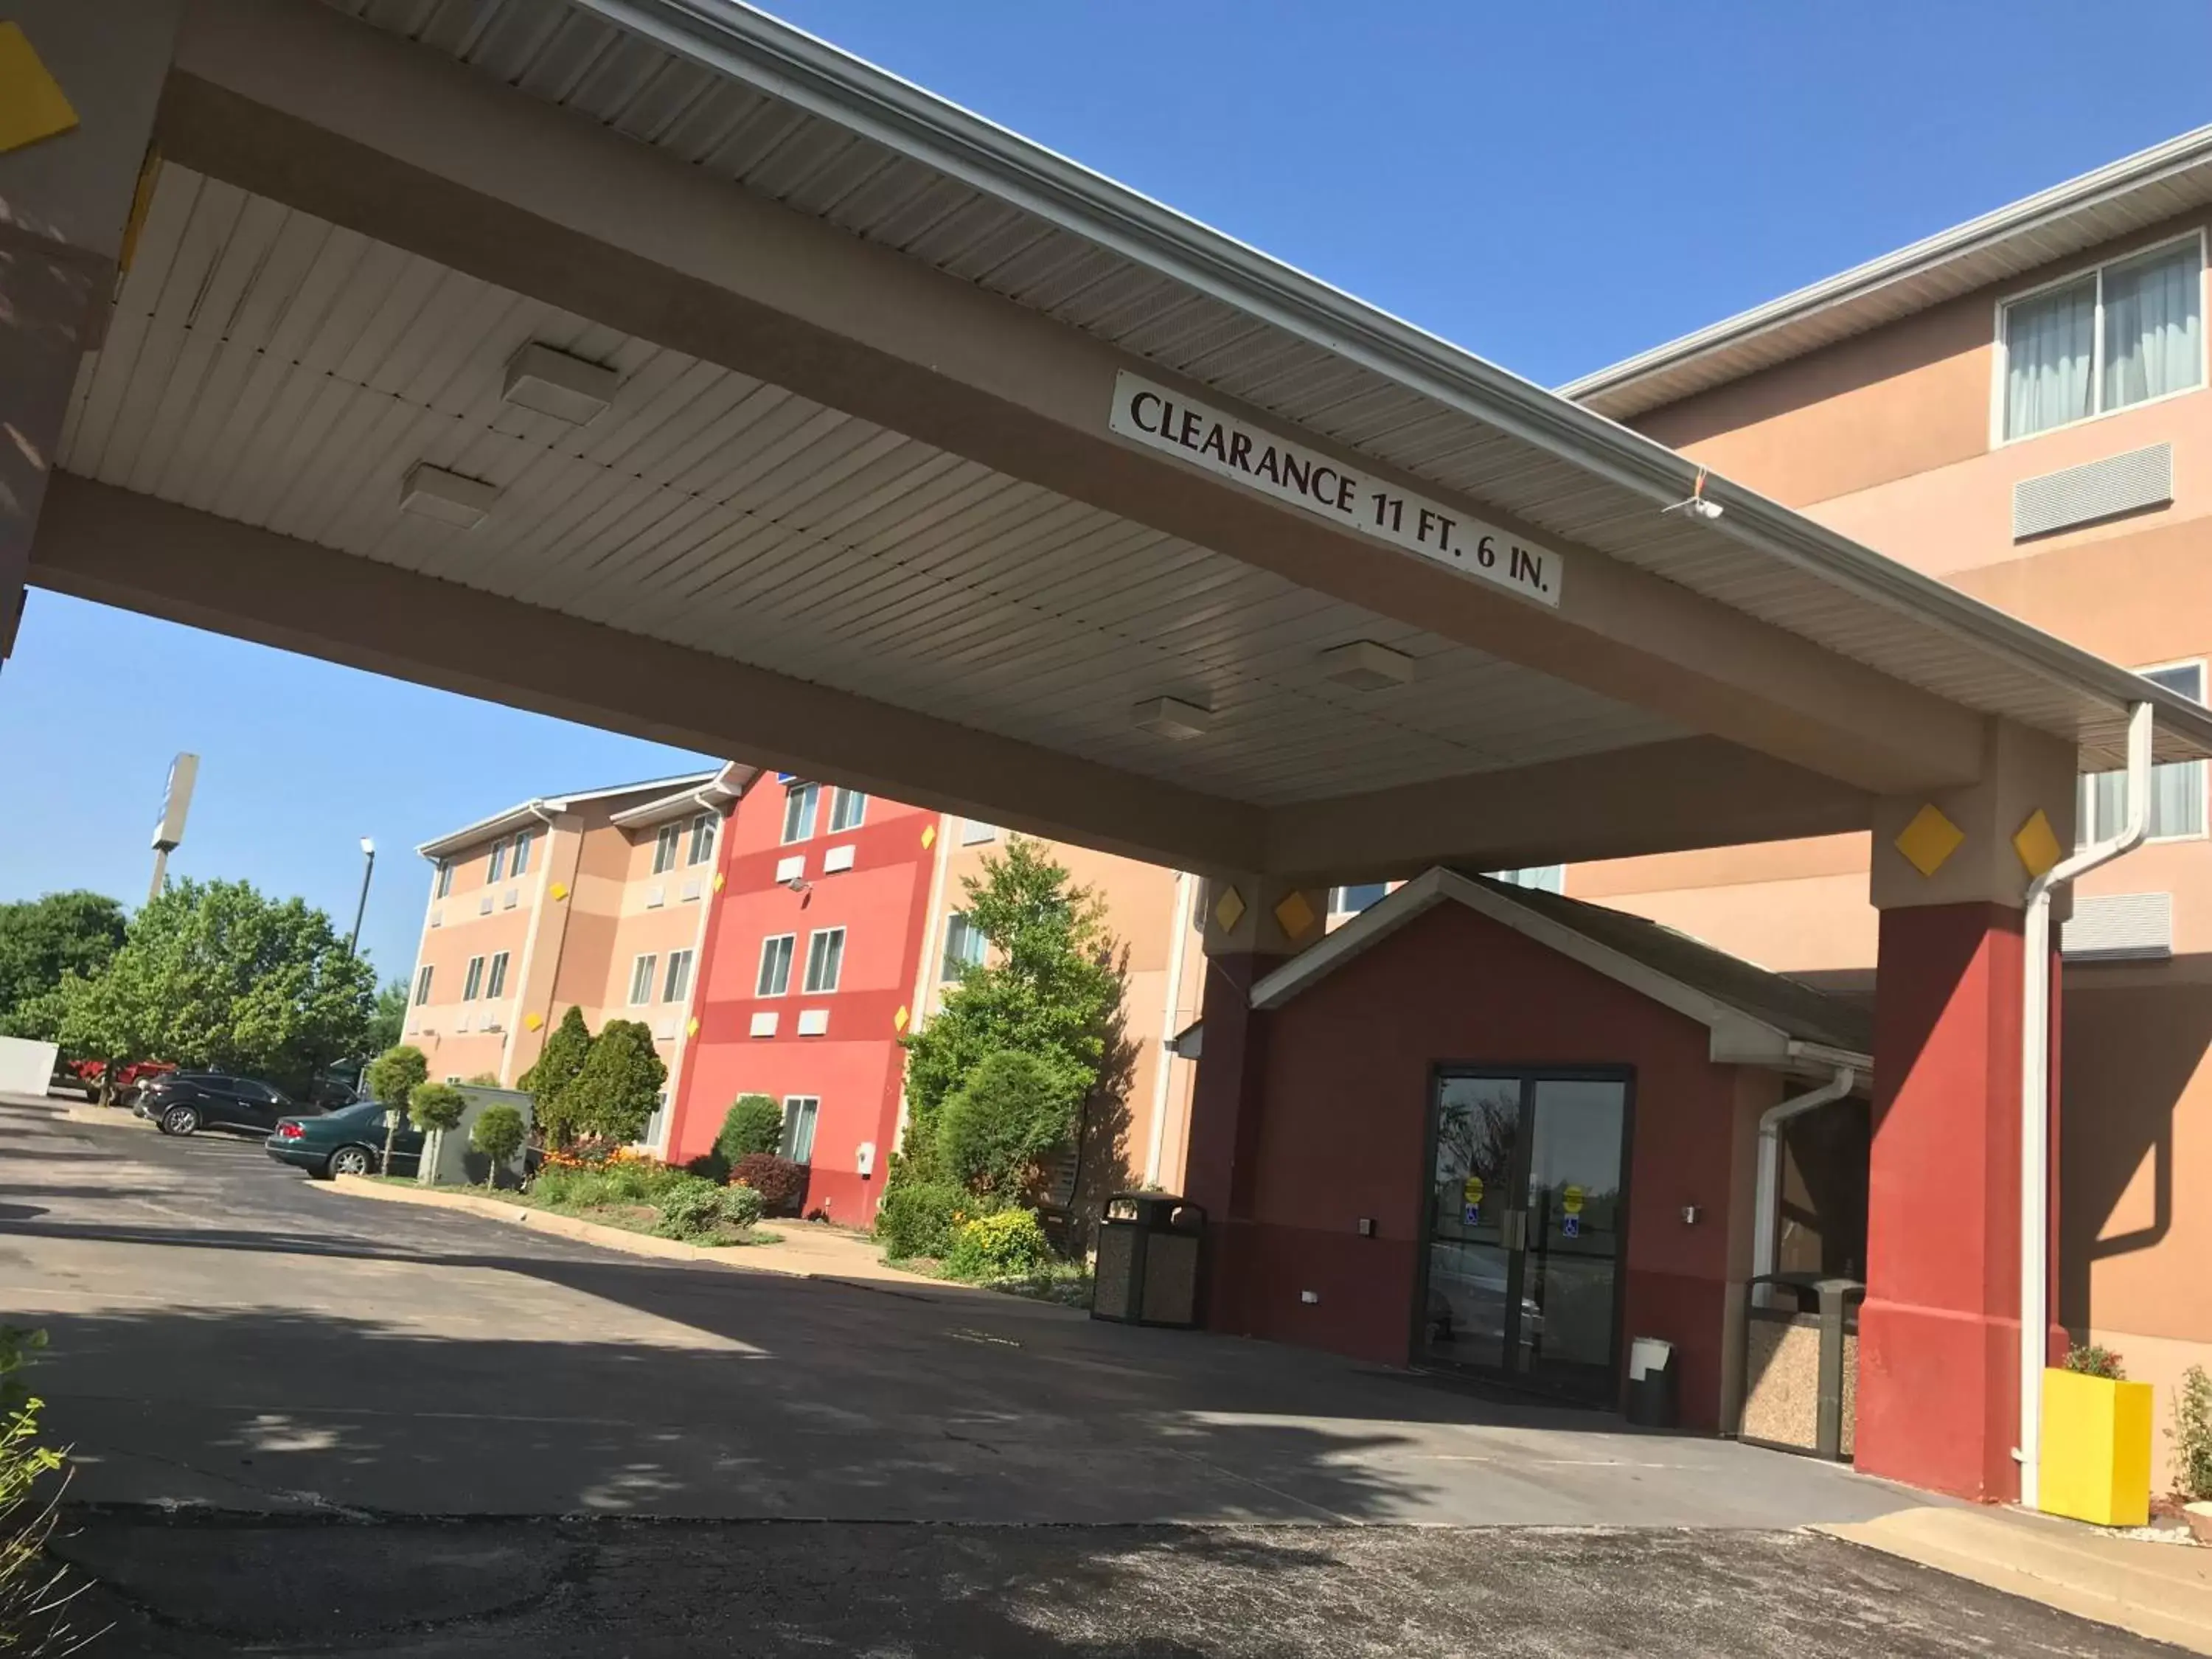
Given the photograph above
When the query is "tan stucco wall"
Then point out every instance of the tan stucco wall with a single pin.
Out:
(1888, 439)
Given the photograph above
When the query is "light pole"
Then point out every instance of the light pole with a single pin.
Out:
(368, 869)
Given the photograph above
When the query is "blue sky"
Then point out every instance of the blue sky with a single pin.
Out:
(1554, 186)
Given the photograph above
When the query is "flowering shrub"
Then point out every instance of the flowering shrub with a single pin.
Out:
(1005, 1244)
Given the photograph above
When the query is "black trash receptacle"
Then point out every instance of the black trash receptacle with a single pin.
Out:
(1653, 1391)
(1147, 1272)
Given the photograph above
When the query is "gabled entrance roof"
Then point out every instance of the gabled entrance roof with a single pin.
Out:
(1756, 1017)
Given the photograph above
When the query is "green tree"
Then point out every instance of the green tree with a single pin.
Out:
(754, 1123)
(1011, 1115)
(1047, 991)
(498, 1134)
(436, 1106)
(392, 1078)
(43, 939)
(613, 1096)
(215, 974)
(388, 1018)
(558, 1062)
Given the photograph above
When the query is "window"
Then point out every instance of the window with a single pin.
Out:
(445, 878)
(677, 985)
(702, 839)
(1538, 878)
(423, 986)
(656, 1126)
(2176, 788)
(799, 811)
(498, 861)
(826, 959)
(474, 982)
(799, 1112)
(521, 854)
(641, 979)
(1351, 901)
(847, 808)
(2122, 334)
(775, 965)
(496, 985)
(664, 847)
(964, 945)
(973, 834)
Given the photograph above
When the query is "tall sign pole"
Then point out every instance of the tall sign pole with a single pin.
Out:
(169, 829)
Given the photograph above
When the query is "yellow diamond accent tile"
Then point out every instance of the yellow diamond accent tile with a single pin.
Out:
(719, 882)
(32, 107)
(2037, 843)
(533, 1021)
(691, 1026)
(1229, 908)
(900, 1019)
(559, 891)
(1295, 914)
(1928, 840)
(928, 836)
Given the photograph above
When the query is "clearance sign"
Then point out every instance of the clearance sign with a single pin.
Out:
(1245, 454)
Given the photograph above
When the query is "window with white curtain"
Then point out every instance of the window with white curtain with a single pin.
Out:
(775, 965)
(2120, 335)
(2176, 788)
(826, 959)
(641, 978)
(799, 1112)
(702, 839)
(799, 804)
(678, 984)
(848, 808)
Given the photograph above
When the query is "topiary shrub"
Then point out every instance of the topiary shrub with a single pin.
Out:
(392, 1077)
(1009, 1115)
(613, 1095)
(781, 1183)
(753, 1124)
(436, 1106)
(920, 1218)
(1005, 1244)
(498, 1134)
(567, 1046)
(710, 1165)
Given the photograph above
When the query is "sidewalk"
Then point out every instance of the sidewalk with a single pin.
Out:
(2163, 1591)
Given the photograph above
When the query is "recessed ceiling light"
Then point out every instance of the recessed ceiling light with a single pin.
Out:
(1364, 666)
(1170, 717)
(447, 497)
(554, 383)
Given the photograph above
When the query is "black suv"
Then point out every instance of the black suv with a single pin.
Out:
(183, 1103)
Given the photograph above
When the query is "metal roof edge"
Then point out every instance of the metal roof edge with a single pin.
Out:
(538, 805)
(2117, 178)
(749, 45)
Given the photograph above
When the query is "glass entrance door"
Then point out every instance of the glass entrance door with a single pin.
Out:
(1525, 1220)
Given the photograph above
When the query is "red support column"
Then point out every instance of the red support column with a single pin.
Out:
(1938, 1387)
(1227, 1100)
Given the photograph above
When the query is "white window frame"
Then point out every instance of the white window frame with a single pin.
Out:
(818, 948)
(472, 981)
(2085, 831)
(422, 983)
(665, 842)
(444, 884)
(802, 805)
(968, 929)
(519, 865)
(676, 978)
(849, 809)
(702, 846)
(497, 867)
(788, 1144)
(2098, 268)
(788, 957)
(642, 968)
(496, 978)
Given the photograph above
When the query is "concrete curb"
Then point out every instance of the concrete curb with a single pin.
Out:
(743, 1258)
(2163, 1591)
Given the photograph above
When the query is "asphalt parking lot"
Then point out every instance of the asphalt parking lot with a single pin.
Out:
(308, 1422)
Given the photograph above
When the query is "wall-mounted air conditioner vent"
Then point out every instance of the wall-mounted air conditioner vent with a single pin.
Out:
(2095, 489)
(2119, 928)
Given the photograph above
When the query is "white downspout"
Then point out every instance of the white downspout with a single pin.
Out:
(2035, 1098)
(1766, 1200)
(1161, 1078)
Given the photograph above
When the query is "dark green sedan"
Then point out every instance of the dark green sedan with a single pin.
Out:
(348, 1141)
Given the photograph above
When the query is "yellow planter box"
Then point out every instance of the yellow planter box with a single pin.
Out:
(2096, 1449)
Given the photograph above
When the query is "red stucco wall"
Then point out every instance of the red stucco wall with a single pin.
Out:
(1346, 1069)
